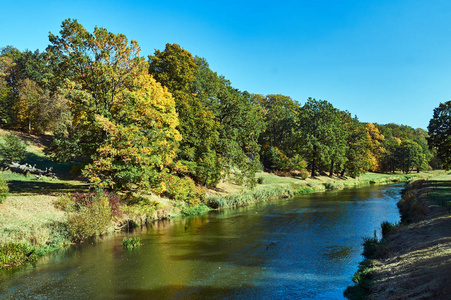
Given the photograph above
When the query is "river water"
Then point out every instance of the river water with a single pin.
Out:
(306, 247)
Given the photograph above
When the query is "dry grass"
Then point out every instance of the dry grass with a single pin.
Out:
(27, 219)
(419, 262)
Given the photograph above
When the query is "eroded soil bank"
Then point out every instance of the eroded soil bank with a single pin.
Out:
(417, 259)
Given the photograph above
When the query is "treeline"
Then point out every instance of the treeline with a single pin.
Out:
(164, 123)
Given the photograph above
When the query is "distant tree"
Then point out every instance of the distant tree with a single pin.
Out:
(440, 133)
(358, 148)
(279, 113)
(319, 136)
(409, 155)
(376, 147)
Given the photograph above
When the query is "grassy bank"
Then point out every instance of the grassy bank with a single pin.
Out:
(273, 187)
(413, 258)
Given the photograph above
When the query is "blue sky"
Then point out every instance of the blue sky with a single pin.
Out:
(386, 61)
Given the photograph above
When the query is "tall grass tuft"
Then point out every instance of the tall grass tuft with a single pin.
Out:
(250, 197)
(130, 243)
(4, 190)
(14, 254)
(387, 227)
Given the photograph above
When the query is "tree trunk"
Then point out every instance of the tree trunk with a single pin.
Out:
(313, 162)
(331, 171)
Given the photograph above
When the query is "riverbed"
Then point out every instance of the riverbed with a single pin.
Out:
(305, 247)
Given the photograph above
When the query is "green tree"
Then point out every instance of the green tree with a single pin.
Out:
(219, 124)
(121, 120)
(440, 133)
(357, 150)
(176, 69)
(279, 113)
(320, 133)
(409, 155)
(12, 149)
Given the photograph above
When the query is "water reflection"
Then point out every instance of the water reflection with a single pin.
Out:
(306, 247)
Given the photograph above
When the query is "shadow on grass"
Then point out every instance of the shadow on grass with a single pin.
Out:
(43, 187)
(62, 170)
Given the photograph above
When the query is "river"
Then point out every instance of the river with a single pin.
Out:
(306, 247)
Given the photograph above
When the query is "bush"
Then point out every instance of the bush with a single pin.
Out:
(130, 243)
(182, 189)
(91, 219)
(371, 247)
(4, 190)
(387, 227)
(303, 174)
(362, 278)
(334, 185)
(12, 149)
(15, 254)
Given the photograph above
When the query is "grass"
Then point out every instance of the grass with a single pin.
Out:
(130, 243)
(432, 187)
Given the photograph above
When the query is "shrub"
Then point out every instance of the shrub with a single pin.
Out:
(303, 174)
(297, 163)
(130, 243)
(182, 189)
(371, 247)
(91, 219)
(362, 278)
(334, 185)
(12, 149)
(4, 190)
(386, 228)
(66, 203)
(15, 254)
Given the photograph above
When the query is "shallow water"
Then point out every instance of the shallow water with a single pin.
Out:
(306, 247)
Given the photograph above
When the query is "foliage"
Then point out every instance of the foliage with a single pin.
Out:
(198, 209)
(12, 149)
(183, 189)
(440, 133)
(4, 190)
(130, 243)
(375, 144)
(15, 254)
(357, 151)
(220, 125)
(409, 155)
(362, 278)
(121, 119)
(371, 247)
(320, 133)
(92, 217)
(333, 185)
(387, 227)
(303, 174)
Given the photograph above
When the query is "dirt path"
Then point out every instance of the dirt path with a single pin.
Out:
(418, 264)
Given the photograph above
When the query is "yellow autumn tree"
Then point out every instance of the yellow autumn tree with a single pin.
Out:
(122, 122)
(142, 140)
(375, 147)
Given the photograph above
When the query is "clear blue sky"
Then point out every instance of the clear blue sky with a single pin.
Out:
(386, 61)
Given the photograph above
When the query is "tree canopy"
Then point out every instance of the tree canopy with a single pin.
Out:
(440, 133)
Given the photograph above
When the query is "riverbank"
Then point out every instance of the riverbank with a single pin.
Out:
(412, 261)
(38, 211)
